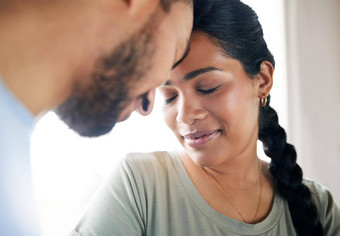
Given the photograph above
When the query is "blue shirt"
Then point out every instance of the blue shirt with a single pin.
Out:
(18, 212)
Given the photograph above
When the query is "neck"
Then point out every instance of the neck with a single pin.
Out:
(241, 171)
(238, 176)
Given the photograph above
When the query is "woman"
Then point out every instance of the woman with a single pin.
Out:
(217, 104)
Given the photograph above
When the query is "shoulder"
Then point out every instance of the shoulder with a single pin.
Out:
(146, 157)
(329, 211)
(320, 193)
(316, 188)
(148, 165)
(147, 160)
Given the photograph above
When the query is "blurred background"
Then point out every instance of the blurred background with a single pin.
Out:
(303, 35)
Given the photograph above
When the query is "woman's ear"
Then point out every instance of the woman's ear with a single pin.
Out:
(265, 79)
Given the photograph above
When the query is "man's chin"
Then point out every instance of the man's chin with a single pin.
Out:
(88, 126)
(95, 131)
(90, 130)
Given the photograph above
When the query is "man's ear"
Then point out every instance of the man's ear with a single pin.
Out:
(265, 79)
(139, 9)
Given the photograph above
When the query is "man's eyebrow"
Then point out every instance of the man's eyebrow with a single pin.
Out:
(200, 71)
(182, 58)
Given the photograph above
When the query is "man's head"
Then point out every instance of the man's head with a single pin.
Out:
(123, 78)
(94, 62)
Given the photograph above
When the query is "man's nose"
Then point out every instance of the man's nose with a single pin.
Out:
(144, 104)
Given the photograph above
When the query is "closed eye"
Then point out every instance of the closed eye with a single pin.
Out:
(208, 91)
(167, 101)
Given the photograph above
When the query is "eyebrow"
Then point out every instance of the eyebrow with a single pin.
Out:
(200, 71)
(196, 73)
(184, 55)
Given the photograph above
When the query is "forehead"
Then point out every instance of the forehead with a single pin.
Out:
(203, 53)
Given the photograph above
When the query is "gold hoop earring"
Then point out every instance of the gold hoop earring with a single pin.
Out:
(263, 101)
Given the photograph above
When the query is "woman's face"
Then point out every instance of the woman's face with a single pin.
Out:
(211, 105)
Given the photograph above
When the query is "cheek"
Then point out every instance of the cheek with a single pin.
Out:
(225, 105)
(169, 116)
(234, 106)
(156, 75)
(162, 62)
(243, 112)
(166, 117)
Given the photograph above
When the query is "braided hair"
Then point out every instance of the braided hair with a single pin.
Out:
(234, 27)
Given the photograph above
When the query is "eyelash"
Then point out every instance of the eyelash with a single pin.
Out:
(208, 91)
(167, 101)
(203, 91)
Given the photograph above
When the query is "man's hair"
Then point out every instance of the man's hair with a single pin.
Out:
(166, 4)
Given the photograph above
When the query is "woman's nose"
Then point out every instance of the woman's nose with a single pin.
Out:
(189, 110)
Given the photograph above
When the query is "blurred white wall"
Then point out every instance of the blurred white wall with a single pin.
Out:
(313, 66)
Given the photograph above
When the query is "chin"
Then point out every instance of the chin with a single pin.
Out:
(199, 159)
(86, 125)
(94, 130)
(204, 158)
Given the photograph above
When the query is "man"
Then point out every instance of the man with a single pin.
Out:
(93, 62)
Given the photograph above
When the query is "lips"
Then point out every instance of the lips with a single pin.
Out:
(200, 138)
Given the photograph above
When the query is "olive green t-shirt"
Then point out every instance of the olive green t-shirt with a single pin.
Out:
(152, 194)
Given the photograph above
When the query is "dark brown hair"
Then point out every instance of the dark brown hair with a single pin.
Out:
(234, 27)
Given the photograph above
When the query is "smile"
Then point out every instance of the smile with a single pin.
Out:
(200, 138)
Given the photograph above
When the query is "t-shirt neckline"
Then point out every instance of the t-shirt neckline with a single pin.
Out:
(219, 219)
